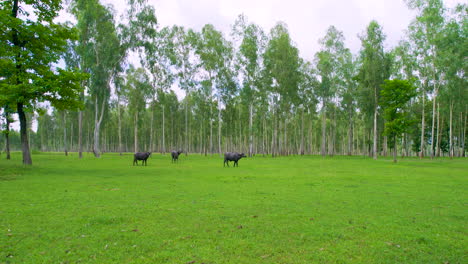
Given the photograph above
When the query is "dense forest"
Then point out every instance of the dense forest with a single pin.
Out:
(99, 86)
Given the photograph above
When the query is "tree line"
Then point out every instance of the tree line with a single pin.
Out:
(250, 91)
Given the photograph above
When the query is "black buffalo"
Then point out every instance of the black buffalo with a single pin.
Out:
(232, 156)
(175, 155)
(141, 156)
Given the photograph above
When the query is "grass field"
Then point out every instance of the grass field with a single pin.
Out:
(283, 210)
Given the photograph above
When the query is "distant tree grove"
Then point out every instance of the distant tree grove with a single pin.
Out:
(99, 86)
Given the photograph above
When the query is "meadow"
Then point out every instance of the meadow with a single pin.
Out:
(296, 209)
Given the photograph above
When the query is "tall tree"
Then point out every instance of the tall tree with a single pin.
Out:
(425, 31)
(137, 91)
(30, 74)
(248, 61)
(375, 68)
(101, 53)
(453, 52)
(395, 96)
(187, 64)
(330, 63)
(216, 55)
(282, 75)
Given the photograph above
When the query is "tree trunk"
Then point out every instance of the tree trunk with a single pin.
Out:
(21, 114)
(421, 153)
(211, 128)
(24, 135)
(464, 135)
(433, 124)
(250, 130)
(404, 151)
(219, 127)
(97, 126)
(151, 143)
(275, 134)
(437, 150)
(394, 149)
(120, 126)
(65, 133)
(451, 134)
(374, 149)
(302, 132)
(186, 150)
(7, 135)
(333, 147)
(350, 135)
(324, 123)
(163, 132)
(385, 146)
(80, 134)
(135, 132)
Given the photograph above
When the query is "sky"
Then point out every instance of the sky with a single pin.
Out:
(307, 20)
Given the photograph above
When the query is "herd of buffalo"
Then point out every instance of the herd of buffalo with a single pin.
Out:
(228, 156)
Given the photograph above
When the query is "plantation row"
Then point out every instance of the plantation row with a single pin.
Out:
(249, 91)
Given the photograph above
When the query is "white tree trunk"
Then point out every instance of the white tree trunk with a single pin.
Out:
(250, 130)
(151, 143)
(186, 150)
(324, 124)
(302, 133)
(135, 134)
(65, 133)
(451, 134)
(97, 126)
(438, 131)
(219, 127)
(421, 153)
(433, 123)
(120, 125)
(163, 132)
(374, 149)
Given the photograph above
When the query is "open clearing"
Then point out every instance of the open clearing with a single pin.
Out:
(284, 210)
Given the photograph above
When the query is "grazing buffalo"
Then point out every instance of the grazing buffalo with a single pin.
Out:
(233, 156)
(175, 155)
(141, 156)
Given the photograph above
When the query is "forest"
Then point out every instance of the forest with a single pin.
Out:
(97, 85)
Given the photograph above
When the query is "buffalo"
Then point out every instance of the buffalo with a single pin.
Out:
(175, 155)
(232, 156)
(141, 156)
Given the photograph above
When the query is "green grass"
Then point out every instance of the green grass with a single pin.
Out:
(282, 210)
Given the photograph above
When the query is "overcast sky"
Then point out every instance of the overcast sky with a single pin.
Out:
(307, 20)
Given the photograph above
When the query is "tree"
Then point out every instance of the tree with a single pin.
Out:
(453, 51)
(216, 55)
(425, 32)
(395, 96)
(101, 53)
(248, 61)
(187, 65)
(375, 68)
(31, 49)
(137, 91)
(282, 76)
(7, 111)
(330, 63)
(348, 94)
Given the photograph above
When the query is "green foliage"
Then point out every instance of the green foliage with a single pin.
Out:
(137, 89)
(99, 46)
(374, 67)
(282, 64)
(395, 96)
(30, 51)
